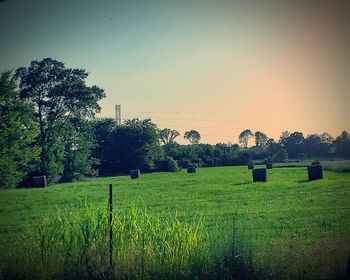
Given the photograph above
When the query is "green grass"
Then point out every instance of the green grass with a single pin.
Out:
(287, 227)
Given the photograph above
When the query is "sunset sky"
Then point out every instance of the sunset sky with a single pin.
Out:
(215, 66)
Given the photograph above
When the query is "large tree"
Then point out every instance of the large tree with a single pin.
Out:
(59, 94)
(342, 144)
(261, 139)
(244, 137)
(18, 130)
(135, 145)
(168, 135)
(318, 145)
(104, 130)
(293, 143)
(193, 136)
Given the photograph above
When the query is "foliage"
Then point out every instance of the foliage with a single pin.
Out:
(280, 156)
(293, 143)
(261, 139)
(17, 134)
(133, 145)
(204, 154)
(168, 164)
(103, 130)
(342, 144)
(193, 136)
(168, 135)
(79, 142)
(245, 157)
(73, 244)
(60, 96)
(244, 137)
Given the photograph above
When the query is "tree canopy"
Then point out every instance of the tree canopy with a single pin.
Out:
(18, 130)
(244, 137)
(61, 98)
(193, 136)
(168, 135)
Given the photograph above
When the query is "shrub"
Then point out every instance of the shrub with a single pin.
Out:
(185, 163)
(168, 164)
(245, 157)
(280, 156)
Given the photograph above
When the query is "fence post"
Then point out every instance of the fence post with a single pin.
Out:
(110, 227)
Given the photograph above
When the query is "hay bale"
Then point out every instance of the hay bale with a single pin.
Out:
(250, 166)
(268, 165)
(315, 162)
(191, 169)
(315, 172)
(39, 181)
(135, 174)
(259, 175)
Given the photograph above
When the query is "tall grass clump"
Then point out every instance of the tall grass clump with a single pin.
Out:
(76, 246)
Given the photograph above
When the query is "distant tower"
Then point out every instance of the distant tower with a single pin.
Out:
(118, 114)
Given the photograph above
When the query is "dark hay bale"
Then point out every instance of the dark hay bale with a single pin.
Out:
(250, 166)
(191, 169)
(315, 162)
(259, 175)
(315, 172)
(39, 181)
(135, 174)
(268, 165)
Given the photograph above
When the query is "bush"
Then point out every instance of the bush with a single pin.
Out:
(245, 157)
(185, 163)
(302, 156)
(168, 164)
(280, 156)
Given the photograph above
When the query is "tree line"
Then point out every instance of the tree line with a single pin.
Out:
(48, 127)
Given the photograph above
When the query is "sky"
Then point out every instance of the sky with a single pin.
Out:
(215, 66)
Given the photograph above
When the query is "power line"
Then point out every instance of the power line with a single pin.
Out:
(198, 120)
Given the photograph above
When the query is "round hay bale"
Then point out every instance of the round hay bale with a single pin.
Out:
(39, 181)
(191, 169)
(250, 166)
(259, 175)
(135, 174)
(315, 162)
(315, 172)
(268, 165)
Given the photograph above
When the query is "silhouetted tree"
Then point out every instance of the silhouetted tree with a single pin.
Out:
(168, 135)
(193, 136)
(342, 144)
(293, 143)
(261, 139)
(244, 137)
(103, 130)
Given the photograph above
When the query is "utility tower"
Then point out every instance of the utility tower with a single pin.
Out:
(118, 114)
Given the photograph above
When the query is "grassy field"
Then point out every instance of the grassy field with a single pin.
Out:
(285, 228)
